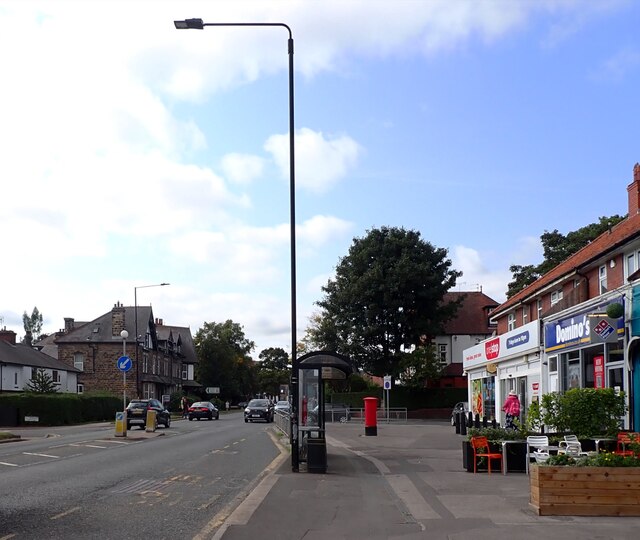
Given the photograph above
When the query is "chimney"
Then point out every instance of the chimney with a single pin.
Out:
(633, 190)
(117, 319)
(159, 322)
(69, 324)
(8, 335)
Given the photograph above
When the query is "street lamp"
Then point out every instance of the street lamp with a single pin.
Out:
(135, 316)
(198, 24)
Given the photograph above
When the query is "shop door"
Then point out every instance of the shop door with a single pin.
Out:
(615, 380)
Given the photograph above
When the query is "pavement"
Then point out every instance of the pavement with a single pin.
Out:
(406, 483)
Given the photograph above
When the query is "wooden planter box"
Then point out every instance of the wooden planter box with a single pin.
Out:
(585, 491)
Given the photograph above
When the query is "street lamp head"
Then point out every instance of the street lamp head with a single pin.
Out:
(124, 334)
(198, 24)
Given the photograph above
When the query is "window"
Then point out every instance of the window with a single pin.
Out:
(148, 390)
(631, 264)
(539, 308)
(511, 322)
(442, 353)
(55, 376)
(602, 279)
(34, 373)
(15, 380)
(80, 388)
(185, 373)
(553, 364)
(145, 363)
(78, 361)
(525, 315)
(556, 296)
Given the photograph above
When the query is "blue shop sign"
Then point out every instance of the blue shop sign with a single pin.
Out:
(577, 330)
(518, 339)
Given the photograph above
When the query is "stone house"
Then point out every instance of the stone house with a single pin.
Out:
(159, 356)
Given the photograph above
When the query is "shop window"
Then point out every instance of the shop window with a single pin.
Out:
(571, 373)
(615, 352)
(511, 322)
(602, 279)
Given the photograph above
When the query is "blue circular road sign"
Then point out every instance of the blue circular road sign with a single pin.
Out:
(124, 363)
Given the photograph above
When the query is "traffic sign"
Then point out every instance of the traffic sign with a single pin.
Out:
(387, 382)
(124, 363)
(212, 390)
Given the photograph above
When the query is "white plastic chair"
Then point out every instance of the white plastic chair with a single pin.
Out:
(571, 447)
(540, 445)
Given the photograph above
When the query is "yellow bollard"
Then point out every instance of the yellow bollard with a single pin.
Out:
(121, 424)
(152, 421)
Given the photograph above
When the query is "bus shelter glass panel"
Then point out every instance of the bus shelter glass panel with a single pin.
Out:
(309, 396)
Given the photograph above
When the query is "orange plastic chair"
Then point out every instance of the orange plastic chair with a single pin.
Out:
(480, 447)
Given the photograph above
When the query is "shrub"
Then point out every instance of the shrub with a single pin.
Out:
(584, 412)
(497, 434)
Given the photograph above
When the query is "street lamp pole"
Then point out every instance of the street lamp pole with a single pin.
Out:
(198, 24)
(135, 317)
(124, 335)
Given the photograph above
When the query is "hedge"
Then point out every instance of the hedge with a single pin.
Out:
(62, 409)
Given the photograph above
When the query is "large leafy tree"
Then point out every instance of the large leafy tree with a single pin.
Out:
(273, 370)
(224, 359)
(557, 248)
(387, 296)
(32, 325)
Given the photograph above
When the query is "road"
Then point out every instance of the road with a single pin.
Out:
(84, 483)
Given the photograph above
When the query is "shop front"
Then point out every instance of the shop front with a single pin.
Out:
(500, 364)
(586, 349)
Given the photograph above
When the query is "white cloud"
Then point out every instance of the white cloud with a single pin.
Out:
(476, 274)
(321, 162)
(242, 168)
(619, 65)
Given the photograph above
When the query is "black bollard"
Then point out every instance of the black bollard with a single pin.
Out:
(463, 424)
(476, 424)
(485, 421)
(456, 422)
(494, 424)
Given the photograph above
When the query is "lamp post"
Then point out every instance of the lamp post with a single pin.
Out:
(135, 317)
(198, 24)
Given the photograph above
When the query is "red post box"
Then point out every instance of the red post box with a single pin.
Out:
(370, 416)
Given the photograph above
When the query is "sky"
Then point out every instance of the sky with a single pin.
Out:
(133, 154)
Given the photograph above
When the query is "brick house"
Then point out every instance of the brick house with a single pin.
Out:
(559, 332)
(470, 326)
(158, 358)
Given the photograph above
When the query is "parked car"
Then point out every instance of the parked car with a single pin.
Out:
(461, 406)
(259, 409)
(283, 406)
(203, 409)
(137, 413)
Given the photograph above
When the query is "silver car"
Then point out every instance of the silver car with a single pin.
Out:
(461, 406)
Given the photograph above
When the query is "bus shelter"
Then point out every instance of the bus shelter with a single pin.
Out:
(314, 369)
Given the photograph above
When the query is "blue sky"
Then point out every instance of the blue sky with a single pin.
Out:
(134, 154)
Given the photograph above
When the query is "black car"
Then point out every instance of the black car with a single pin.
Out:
(137, 413)
(203, 409)
(259, 409)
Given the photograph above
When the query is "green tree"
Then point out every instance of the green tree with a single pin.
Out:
(41, 383)
(223, 359)
(420, 365)
(32, 326)
(556, 249)
(273, 370)
(387, 296)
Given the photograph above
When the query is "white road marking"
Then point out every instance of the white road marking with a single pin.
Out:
(41, 455)
(63, 514)
(411, 497)
(8, 465)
